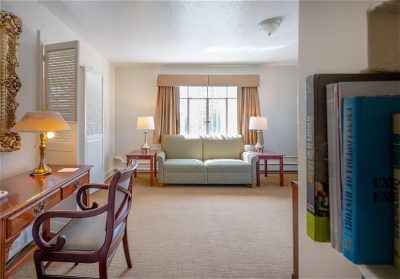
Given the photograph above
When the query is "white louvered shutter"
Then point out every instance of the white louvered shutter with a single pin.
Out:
(93, 91)
(61, 91)
(94, 103)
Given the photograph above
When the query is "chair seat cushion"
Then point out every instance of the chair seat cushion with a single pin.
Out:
(184, 166)
(227, 166)
(84, 234)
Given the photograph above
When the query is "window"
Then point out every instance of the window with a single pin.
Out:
(208, 110)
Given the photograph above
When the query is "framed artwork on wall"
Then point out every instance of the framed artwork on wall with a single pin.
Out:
(10, 30)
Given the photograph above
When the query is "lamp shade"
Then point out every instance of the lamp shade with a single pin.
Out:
(258, 123)
(40, 121)
(145, 123)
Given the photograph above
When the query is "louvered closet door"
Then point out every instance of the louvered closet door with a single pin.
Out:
(61, 91)
(93, 90)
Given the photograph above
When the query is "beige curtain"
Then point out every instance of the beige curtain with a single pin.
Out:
(167, 112)
(248, 105)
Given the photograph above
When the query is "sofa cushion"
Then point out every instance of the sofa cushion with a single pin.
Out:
(182, 147)
(227, 166)
(184, 166)
(222, 147)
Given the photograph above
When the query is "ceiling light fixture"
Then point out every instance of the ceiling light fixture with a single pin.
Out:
(270, 25)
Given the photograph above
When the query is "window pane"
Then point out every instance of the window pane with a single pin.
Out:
(232, 92)
(217, 116)
(232, 117)
(217, 92)
(197, 116)
(183, 117)
(222, 110)
(197, 92)
(183, 91)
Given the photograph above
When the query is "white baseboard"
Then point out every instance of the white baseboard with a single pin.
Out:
(291, 167)
(109, 173)
(290, 164)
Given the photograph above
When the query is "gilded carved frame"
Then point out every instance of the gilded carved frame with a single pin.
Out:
(10, 29)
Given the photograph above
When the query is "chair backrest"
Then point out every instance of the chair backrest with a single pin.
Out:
(119, 199)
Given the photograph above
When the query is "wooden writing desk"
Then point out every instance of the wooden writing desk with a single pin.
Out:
(29, 196)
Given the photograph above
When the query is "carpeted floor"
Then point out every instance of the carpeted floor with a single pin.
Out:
(201, 232)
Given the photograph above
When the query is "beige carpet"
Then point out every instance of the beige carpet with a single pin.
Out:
(202, 232)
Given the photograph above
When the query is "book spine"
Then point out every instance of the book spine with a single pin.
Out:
(396, 188)
(330, 125)
(317, 193)
(348, 180)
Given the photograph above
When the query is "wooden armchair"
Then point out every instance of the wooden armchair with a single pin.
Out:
(93, 234)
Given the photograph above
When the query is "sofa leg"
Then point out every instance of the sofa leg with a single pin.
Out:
(253, 185)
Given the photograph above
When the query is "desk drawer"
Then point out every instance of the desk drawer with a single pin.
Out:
(71, 187)
(17, 222)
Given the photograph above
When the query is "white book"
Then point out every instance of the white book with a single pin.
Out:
(333, 168)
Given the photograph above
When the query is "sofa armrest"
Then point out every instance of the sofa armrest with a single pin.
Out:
(160, 162)
(252, 159)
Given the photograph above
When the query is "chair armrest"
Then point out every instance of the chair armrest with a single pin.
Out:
(61, 239)
(82, 190)
(161, 156)
(251, 159)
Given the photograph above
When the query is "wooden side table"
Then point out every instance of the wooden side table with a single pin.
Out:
(142, 155)
(269, 155)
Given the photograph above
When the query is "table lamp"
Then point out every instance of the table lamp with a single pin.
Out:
(43, 123)
(145, 123)
(258, 123)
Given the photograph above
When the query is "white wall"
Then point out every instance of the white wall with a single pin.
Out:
(35, 17)
(332, 39)
(136, 93)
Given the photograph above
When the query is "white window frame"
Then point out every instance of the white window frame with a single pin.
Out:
(207, 99)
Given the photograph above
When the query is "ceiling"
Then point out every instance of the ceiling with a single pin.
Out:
(183, 31)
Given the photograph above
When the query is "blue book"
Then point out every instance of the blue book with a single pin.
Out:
(367, 179)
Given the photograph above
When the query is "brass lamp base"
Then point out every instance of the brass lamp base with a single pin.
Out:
(42, 169)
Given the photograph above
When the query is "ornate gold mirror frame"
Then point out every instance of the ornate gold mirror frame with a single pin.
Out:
(10, 29)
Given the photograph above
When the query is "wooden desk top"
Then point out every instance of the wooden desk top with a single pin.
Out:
(24, 189)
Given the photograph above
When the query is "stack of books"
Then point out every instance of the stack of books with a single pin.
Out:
(361, 179)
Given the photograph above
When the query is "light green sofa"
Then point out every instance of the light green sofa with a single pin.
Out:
(205, 160)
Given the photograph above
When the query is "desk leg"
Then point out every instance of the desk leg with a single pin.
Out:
(46, 232)
(295, 217)
(265, 167)
(258, 172)
(85, 197)
(3, 248)
(281, 170)
(151, 171)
